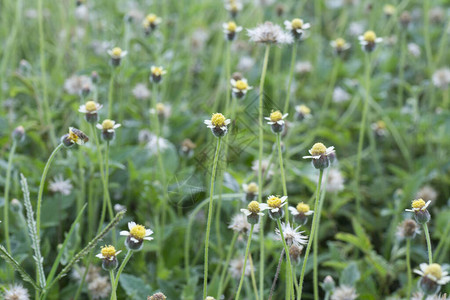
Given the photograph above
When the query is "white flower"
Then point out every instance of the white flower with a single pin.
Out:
(344, 293)
(16, 292)
(316, 153)
(301, 208)
(236, 266)
(108, 125)
(270, 33)
(137, 233)
(240, 86)
(240, 224)
(276, 118)
(291, 235)
(155, 142)
(340, 95)
(335, 181)
(141, 92)
(419, 205)
(433, 272)
(90, 107)
(274, 203)
(117, 53)
(231, 27)
(59, 185)
(296, 26)
(441, 78)
(414, 49)
(108, 252)
(217, 121)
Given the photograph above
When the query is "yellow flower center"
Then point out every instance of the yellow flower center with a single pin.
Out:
(302, 207)
(234, 7)
(218, 120)
(381, 125)
(389, 9)
(91, 106)
(160, 107)
(297, 23)
(318, 149)
(151, 18)
(274, 202)
(116, 52)
(434, 270)
(276, 116)
(241, 85)
(370, 36)
(253, 207)
(231, 26)
(138, 232)
(157, 71)
(108, 251)
(73, 137)
(304, 109)
(419, 203)
(108, 124)
(340, 43)
(252, 187)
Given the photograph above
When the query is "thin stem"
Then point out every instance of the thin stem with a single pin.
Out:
(6, 197)
(227, 77)
(245, 262)
(110, 92)
(327, 295)
(442, 241)
(291, 75)
(110, 208)
(227, 261)
(427, 235)
(210, 213)
(277, 273)
(283, 176)
(401, 69)
(122, 266)
(362, 127)
(260, 182)
(311, 236)
(288, 258)
(408, 267)
(252, 275)
(113, 288)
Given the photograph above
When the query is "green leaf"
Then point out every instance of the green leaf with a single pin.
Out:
(350, 275)
(134, 286)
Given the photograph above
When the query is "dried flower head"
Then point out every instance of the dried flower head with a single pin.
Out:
(239, 223)
(407, 229)
(157, 296)
(427, 192)
(441, 78)
(236, 268)
(16, 292)
(291, 235)
(60, 185)
(269, 33)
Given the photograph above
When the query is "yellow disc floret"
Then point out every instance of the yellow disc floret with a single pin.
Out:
(107, 124)
(138, 232)
(108, 251)
(318, 149)
(304, 109)
(297, 24)
(218, 120)
(73, 136)
(116, 52)
(160, 107)
(340, 43)
(241, 85)
(151, 18)
(381, 125)
(418, 204)
(302, 207)
(157, 71)
(389, 9)
(253, 207)
(434, 270)
(91, 106)
(276, 116)
(274, 202)
(231, 26)
(252, 188)
(370, 36)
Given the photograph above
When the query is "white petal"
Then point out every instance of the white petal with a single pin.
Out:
(233, 82)
(124, 232)
(131, 225)
(227, 121)
(284, 116)
(148, 232)
(148, 238)
(283, 198)
(99, 126)
(117, 253)
(134, 240)
(99, 255)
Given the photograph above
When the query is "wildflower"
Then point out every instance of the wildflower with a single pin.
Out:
(302, 112)
(389, 10)
(234, 7)
(339, 45)
(251, 190)
(59, 185)
(231, 29)
(75, 84)
(344, 292)
(291, 235)
(118, 207)
(90, 109)
(419, 208)
(355, 28)
(18, 134)
(405, 19)
(99, 287)
(303, 67)
(419, 296)
(407, 229)
(157, 73)
(108, 128)
(82, 13)
(108, 255)
(379, 127)
(218, 124)
(116, 55)
(157, 296)
(340, 95)
(154, 143)
(413, 49)
(276, 120)
(150, 23)
(75, 136)
(441, 78)
(163, 111)
(245, 63)
(301, 213)
(210, 298)
(320, 155)
(198, 39)
(141, 92)
(136, 236)
(369, 40)
(436, 15)
(432, 278)
(16, 292)
(236, 266)
(295, 252)
(427, 192)
(335, 181)
(240, 87)
(266, 167)
(242, 224)
(274, 205)
(187, 147)
(268, 33)
(328, 284)
(297, 27)
(253, 212)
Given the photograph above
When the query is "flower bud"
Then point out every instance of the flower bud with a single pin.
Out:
(321, 163)
(276, 215)
(422, 216)
(328, 284)
(16, 206)
(294, 253)
(110, 264)
(428, 286)
(18, 134)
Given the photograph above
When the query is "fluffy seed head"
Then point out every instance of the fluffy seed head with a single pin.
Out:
(138, 232)
(318, 149)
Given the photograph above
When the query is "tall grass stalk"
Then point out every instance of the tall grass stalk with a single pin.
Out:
(113, 293)
(210, 213)
(247, 250)
(311, 236)
(260, 179)
(12, 151)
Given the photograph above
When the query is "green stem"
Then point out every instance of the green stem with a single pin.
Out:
(225, 267)
(408, 267)
(113, 287)
(329, 95)
(291, 75)
(110, 92)
(245, 262)
(427, 235)
(401, 69)
(311, 236)
(260, 182)
(252, 275)
(288, 258)
(122, 266)
(283, 176)
(210, 213)
(6, 197)
(442, 242)
(327, 295)
(227, 78)
(110, 208)
(362, 127)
